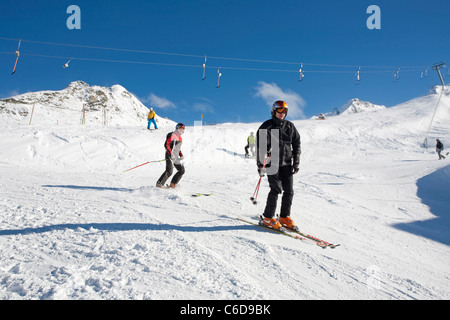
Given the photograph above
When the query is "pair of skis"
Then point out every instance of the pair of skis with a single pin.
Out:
(293, 233)
(201, 194)
(195, 195)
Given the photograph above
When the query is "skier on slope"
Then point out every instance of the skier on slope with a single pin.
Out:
(439, 149)
(282, 163)
(151, 119)
(173, 157)
(250, 144)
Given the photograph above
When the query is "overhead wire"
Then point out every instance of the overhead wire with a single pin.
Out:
(210, 57)
(195, 66)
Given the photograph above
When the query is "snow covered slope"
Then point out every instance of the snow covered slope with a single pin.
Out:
(74, 226)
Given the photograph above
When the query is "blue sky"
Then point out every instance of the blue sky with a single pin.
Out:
(243, 38)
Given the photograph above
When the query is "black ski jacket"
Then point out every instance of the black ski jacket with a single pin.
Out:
(288, 143)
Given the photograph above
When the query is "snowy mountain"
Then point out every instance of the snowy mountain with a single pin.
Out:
(354, 106)
(73, 225)
(77, 103)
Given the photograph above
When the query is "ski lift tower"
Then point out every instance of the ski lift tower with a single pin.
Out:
(436, 67)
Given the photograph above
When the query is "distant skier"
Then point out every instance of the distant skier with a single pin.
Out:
(151, 119)
(251, 141)
(280, 175)
(439, 149)
(173, 154)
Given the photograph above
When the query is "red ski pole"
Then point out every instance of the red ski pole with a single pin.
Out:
(144, 164)
(255, 193)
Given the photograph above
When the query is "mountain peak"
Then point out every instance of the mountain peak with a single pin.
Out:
(78, 83)
(353, 106)
(79, 100)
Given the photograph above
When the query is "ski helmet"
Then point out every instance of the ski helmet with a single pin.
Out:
(179, 126)
(279, 106)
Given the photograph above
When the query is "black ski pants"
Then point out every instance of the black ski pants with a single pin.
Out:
(169, 170)
(281, 182)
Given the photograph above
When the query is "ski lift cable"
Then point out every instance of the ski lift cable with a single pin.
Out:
(197, 66)
(191, 66)
(202, 56)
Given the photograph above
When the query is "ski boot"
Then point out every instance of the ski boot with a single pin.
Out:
(288, 223)
(272, 223)
(159, 185)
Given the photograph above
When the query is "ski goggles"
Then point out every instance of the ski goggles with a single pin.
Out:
(282, 110)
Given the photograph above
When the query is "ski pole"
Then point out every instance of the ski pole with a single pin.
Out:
(144, 164)
(255, 193)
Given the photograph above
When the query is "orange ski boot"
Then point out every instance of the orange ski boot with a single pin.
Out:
(288, 223)
(272, 223)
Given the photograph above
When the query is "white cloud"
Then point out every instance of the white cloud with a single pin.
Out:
(204, 105)
(159, 102)
(270, 93)
(9, 94)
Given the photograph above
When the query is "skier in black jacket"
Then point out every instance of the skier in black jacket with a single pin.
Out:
(278, 154)
(439, 149)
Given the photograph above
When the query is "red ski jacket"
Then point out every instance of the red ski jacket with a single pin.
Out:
(173, 144)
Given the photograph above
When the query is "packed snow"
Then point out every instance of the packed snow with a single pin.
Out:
(73, 225)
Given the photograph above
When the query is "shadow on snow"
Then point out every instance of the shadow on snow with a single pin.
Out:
(89, 188)
(114, 227)
(433, 189)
